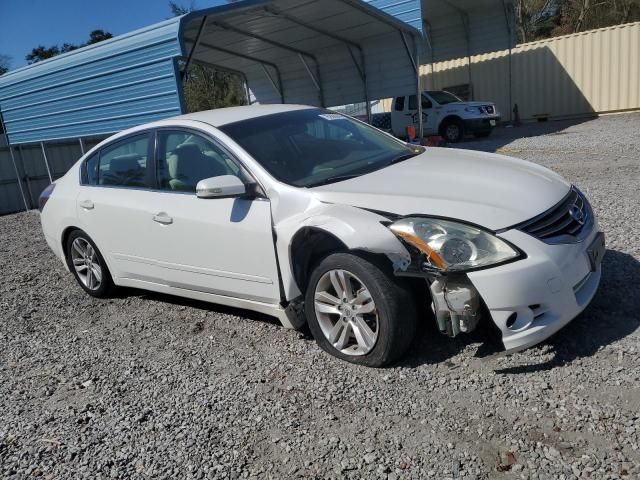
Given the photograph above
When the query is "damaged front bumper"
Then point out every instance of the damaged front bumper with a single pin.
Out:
(531, 299)
(528, 300)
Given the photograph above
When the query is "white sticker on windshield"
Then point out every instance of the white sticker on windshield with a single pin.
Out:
(331, 116)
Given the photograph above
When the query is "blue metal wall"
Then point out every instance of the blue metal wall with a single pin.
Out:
(409, 11)
(101, 89)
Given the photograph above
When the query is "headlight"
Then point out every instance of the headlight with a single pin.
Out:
(451, 246)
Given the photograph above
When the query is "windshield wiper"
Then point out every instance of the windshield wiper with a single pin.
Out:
(335, 178)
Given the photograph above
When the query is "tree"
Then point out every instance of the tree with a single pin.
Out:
(42, 53)
(206, 88)
(538, 19)
(580, 15)
(178, 10)
(5, 63)
(98, 36)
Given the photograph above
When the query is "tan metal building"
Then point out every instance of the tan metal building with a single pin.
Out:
(582, 74)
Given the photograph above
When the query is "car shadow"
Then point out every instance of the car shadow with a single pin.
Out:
(611, 316)
(126, 292)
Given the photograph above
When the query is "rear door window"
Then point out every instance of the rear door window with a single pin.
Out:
(399, 104)
(124, 164)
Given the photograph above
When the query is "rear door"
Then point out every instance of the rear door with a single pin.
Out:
(219, 245)
(116, 205)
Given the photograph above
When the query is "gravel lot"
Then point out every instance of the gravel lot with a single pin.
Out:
(145, 385)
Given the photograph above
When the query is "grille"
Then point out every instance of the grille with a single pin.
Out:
(567, 222)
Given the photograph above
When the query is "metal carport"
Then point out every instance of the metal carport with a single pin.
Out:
(321, 53)
(326, 53)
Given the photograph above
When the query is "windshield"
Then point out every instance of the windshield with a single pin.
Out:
(443, 97)
(312, 147)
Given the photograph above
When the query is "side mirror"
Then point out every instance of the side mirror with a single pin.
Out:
(223, 186)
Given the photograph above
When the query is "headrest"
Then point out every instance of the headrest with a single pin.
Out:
(188, 150)
(124, 163)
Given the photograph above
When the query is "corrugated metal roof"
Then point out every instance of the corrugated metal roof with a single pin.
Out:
(293, 45)
(409, 11)
(99, 89)
(133, 78)
(457, 28)
(271, 43)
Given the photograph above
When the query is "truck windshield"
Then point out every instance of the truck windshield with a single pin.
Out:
(312, 147)
(443, 97)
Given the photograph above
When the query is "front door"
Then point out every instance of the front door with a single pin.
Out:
(220, 245)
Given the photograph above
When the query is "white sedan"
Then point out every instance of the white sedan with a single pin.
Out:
(319, 219)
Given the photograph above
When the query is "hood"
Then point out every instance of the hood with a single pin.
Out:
(486, 189)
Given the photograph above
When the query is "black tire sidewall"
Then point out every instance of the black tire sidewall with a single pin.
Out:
(396, 311)
(107, 283)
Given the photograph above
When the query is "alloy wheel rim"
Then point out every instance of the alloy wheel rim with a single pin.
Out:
(452, 131)
(346, 312)
(86, 264)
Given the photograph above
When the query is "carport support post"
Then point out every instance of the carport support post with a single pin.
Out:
(81, 146)
(419, 92)
(416, 68)
(15, 167)
(13, 160)
(46, 162)
(316, 81)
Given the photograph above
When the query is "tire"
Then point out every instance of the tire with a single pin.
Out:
(99, 286)
(393, 311)
(452, 131)
(482, 134)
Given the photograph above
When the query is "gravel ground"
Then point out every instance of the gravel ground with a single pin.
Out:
(144, 385)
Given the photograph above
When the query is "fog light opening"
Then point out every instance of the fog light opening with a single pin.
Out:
(512, 319)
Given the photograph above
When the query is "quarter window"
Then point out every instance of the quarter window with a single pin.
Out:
(185, 158)
(90, 175)
(124, 164)
(399, 104)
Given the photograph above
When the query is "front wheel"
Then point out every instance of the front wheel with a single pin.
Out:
(357, 312)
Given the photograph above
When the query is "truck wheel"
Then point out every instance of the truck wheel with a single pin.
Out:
(452, 130)
(359, 313)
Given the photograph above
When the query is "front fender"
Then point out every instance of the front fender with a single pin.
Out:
(358, 229)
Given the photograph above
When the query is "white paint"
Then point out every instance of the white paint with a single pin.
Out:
(222, 249)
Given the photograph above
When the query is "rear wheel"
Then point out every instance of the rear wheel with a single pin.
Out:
(87, 265)
(357, 312)
(452, 130)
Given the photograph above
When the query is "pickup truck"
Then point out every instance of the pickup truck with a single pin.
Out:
(443, 114)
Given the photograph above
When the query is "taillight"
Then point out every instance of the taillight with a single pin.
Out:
(44, 196)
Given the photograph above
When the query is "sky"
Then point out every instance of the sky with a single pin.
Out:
(25, 24)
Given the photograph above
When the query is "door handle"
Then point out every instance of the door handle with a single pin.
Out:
(163, 218)
(87, 204)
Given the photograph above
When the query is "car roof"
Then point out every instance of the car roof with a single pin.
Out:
(224, 116)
